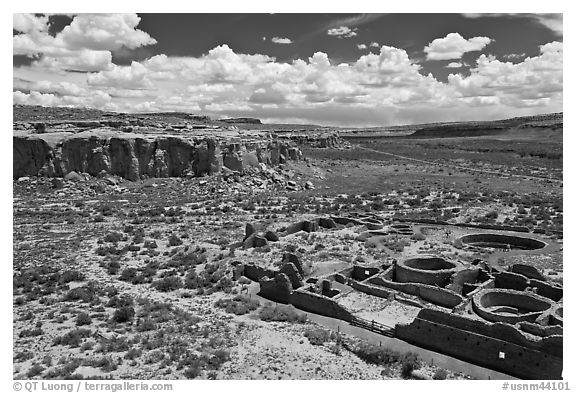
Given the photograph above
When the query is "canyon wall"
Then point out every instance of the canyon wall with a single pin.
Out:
(134, 156)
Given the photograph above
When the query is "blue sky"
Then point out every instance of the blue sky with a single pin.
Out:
(329, 69)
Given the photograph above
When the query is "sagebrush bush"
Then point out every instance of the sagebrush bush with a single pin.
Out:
(318, 336)
(113, 237)
(128, 274)
(219, 357)
(167, 284)
(192, 371)
(123, 314)
(150, 244)
(83, 319)
(113, 267)
(280, 313)
(238, 305)
(174, 240)
(440, 374)
(409, 363)
(34, 371)
(73, 338)
(31, 332)
(492, 214)
(133, 353)
(80, 293)
(71, 275)
(145, 324)
(375, 354)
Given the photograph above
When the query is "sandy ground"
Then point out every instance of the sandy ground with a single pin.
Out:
(378, 309)
(280, 351)
(211, 220)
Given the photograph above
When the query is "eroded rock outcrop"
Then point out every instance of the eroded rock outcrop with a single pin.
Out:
(327, 139)
(134, 156)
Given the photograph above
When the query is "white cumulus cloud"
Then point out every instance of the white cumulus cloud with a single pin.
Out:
(342, 32)
(280, 40)
(135, 76)
(387, 87)
(26, 23)
(453, 46)
(86, 44)
(104, 32)
(535, 81)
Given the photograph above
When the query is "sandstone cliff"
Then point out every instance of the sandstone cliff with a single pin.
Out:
(134, 156)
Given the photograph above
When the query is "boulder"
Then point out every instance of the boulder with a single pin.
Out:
(326, 222)
(294, 153)
(260, 241)
(111, 181)
(252, 229)
(271, 236)
(73, 176)
(226, 172)
(296, 227)
(250, 160)
(57, 183)
(248, 242)
(310, 226)
(233, 161)
(306, 226)
(255, 241)
(40, 128)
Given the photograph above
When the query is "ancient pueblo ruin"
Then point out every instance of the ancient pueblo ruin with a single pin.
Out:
(166, 244)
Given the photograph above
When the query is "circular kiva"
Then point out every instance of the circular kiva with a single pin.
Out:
(504, 242)
(507, 305)
(426, 269)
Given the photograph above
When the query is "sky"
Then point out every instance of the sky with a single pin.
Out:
(355, 70)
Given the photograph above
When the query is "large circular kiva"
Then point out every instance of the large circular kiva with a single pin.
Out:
(507, 305)
(426, 269)
(503, 242)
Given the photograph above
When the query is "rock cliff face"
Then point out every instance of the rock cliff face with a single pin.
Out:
(329, 139)
(135, 156)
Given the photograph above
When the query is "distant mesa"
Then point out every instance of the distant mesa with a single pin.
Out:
(242, 120)
(553, 121)
(546, 127)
